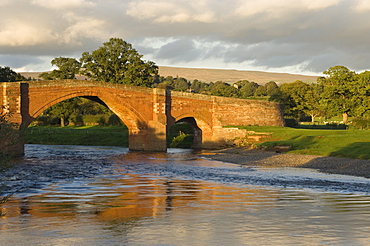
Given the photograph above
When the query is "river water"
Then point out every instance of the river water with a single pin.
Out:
(79, 195)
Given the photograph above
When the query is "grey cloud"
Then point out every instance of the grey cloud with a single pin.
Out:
(317, 34)
(17, 61)
(179, 50)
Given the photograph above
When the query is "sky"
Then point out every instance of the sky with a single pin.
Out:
(293, 36)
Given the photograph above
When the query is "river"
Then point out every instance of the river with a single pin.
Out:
(82, 195)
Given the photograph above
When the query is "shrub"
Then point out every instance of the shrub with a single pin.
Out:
(360, 123)
(291, 122)
(114, 120)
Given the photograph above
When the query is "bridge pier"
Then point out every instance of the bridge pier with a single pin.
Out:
(11, 135)
(154, 135)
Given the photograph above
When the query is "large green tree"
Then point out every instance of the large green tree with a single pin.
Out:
(117, 62)
(67, 69)
(338, 91)
(313, 101)
(64, 110)
(8, 75)
(362, 95)
(292, 95)
(246, 88)
(224, 89)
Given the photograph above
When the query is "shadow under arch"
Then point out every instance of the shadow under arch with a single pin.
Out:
(201, 129)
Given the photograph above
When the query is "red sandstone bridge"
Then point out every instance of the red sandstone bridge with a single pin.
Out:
(148, 113)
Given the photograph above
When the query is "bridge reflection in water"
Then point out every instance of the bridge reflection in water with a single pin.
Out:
(124, 208)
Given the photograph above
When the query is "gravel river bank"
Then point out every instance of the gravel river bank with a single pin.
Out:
(255, 157)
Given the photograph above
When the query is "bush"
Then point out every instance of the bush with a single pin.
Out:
(114, 120)
(182, 141)
(291, 122)
(77, 120)
(360, 123)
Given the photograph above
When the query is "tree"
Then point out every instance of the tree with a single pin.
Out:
(247, 89)
(272, 88)
(64, 110)
(297, 91)
(224, 89)
(361, 95)
(117, 62)
(338, 90)
(8, 75)
(180, 84)
(260, 91)
(67, 69)
(313, 101)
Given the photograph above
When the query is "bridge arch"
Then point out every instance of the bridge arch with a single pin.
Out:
(202, 129)
(130, 117)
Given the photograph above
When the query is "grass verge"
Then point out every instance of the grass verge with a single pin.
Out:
(84, 135)
(339, 143)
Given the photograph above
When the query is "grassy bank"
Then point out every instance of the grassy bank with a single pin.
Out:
(339, 143)
(180, 135)
(85, 135)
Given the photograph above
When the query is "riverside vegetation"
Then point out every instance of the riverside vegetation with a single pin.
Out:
(351, 143)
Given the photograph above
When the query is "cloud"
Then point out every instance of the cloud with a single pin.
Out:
(65, 4)
(280, 35)
(19, 33)
(166, 11)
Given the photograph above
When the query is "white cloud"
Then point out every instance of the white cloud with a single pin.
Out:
(362, 6)
(82, 27)
(167, 11)
(62, 4)
(281, 9)
(19, 33)
(4, 2)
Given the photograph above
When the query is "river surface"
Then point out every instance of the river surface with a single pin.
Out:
(79, 195)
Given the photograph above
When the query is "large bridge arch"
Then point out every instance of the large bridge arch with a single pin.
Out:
(129, 117)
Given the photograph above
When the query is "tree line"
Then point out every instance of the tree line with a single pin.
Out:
(340, 92)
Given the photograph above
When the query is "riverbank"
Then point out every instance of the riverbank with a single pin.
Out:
(255, 157)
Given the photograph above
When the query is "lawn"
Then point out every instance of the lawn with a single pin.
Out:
(84, 135)
(341, 143)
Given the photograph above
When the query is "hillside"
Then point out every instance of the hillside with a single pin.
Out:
(232, 76)
(225, 75)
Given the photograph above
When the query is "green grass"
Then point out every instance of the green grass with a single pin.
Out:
(100, 135)
(72, 135)
(340, 143)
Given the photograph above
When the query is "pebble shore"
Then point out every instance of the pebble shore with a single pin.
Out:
(255, 157)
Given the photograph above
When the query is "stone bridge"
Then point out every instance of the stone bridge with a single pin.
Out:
(148, 113)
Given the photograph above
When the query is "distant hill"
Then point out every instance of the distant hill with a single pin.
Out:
(232, 76)
(213, 75)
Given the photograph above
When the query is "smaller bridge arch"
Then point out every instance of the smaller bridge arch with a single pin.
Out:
(202, 129)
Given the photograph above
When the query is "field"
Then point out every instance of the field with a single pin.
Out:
(232, 76)
(340, 143)
(225, 75)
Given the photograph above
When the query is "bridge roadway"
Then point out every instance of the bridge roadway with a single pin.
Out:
(148, 113)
